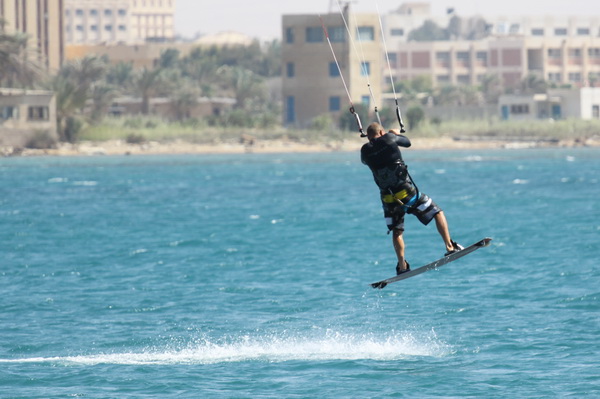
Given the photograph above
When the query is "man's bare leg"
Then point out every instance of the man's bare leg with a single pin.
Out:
(442, 226)
(398, 242)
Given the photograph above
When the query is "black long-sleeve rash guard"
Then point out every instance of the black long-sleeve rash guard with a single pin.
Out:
(382, 155)
(383, 151)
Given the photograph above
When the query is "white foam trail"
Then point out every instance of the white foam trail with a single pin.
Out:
(334, 346)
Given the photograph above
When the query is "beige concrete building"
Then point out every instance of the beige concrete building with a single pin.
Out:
(118, 21)
(164, 107)
(558, 49)
(42, 20)
(25, 114)
(582, 103)
(571, 60)
(311, 81)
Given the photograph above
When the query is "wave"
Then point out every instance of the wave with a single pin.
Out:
(333, 346)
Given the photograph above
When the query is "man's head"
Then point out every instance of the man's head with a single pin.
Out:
(375, 130)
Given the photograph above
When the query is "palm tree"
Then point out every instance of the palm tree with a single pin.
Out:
(147, 83)
(17, 65)
(183, 100)
(532, 84)
(491, 87)
(120, 75)
(102, 96)
(69, 99)
(73, 86)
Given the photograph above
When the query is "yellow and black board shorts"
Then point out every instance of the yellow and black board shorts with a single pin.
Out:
(420, 205)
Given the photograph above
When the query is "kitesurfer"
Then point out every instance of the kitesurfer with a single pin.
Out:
(399, 194)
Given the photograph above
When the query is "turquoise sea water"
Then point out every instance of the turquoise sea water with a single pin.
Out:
(247, 276)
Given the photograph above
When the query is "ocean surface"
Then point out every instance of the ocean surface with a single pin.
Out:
(247, 276)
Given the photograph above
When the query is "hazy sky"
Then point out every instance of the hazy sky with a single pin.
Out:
(262, 18)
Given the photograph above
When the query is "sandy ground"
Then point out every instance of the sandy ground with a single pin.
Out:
(119, 147)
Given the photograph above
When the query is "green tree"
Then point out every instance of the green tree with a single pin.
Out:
(491, 87)
(102, 96)
(147, 82)
(244, 84)
(17, 65)
(414, 116)
(533, 84)
(184, 98)
(120, 75)
(455, 28)
(169, 58)
(348, 121)
(428, 32)
(73, 87)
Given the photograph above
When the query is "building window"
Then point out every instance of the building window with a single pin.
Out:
(594, 52)
(9, 112)
(463, 79)
(38, 114)
(583, 31)
(290, 71)
(122, 28)
(442, 58)
(108, 13)
(365, 100)
(108, 28)
(94, 28)
(290, 114)
(514, 29)
(314, 35)
(560, 31)
(334, 103)
(337, 34)
(596, 111)
(289, 35)
(537, 32)
(463, 58)
(79, 12)
(365, 34)
(443, 79)
(481, 57)
(93, 12)
(397, 32)
(575, 53)
(519, 109)
(574, 77)
(554, 77)
(122, 12)
(554, 53)
(333, 70)
(365, 68)
(79, 28)
(393, 57)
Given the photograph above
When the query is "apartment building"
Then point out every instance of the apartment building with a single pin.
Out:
(118, 21)
(560, 50)
(572, 60)
(42, 21)
(312, 82)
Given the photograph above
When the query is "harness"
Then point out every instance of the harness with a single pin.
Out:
(400, 197)
(407, 197)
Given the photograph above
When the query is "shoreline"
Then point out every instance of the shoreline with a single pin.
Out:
(180, 147)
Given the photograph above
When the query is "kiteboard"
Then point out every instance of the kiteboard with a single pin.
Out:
(434, 265)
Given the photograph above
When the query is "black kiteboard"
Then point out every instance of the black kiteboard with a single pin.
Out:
(434, 265)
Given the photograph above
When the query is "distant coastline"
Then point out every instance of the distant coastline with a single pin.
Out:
(175, 147)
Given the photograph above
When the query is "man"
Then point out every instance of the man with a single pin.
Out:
(399, 195)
